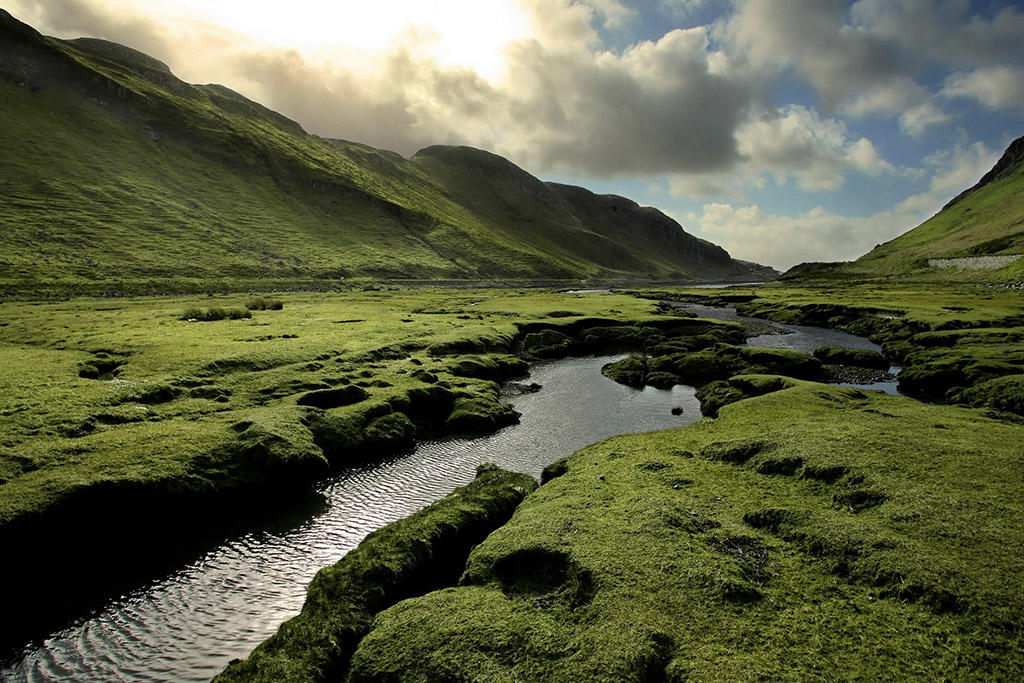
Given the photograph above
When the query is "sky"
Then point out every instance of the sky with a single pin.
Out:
(783, 130)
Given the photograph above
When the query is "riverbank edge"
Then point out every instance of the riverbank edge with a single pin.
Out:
(409, 557)
(700, 552)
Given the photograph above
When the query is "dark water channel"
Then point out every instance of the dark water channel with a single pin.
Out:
(188, 623)
(797, 337)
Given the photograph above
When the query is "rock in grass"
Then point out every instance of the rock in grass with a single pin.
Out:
(410, 557)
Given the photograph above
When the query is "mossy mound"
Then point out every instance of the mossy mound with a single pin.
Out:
(493, 366)
(420, 553)
(861, 358)
(547, 344)
(949, 338)
(806, 530)
(630, 371)
(1002, 393)
(479, 414)
(717, 362)
(391, 432)
(713, 396)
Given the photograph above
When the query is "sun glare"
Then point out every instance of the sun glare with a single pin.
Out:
(466, 33)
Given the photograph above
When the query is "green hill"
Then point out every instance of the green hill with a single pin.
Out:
(973, 237)
(117, 176)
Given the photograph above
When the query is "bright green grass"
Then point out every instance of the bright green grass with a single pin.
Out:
(416, 554)
(958, 343)
(815, 532)
(206, 406)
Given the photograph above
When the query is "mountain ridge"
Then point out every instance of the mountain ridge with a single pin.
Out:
(123, 176)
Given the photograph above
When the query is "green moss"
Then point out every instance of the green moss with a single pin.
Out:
(391, 432)
(1002, 393)
(630, 371)
(949, 338)
(117, 394)
(409, 557)
(494, 367)
(709, 364)
(861, 358)
(480, 414)
(547, 344)
(807, 530)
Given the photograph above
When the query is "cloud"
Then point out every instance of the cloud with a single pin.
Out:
(792, 145)
(996, 87)
(795, 142)
(866, 58)
(752, 233)
(948, 32)
(655, 108)
(564, 105)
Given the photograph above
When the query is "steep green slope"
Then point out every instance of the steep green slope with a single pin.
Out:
(116, 175)
(986, 220)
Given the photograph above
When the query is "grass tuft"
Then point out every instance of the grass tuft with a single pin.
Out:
(215, 313)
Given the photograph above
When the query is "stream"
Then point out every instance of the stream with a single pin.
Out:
(189, 623)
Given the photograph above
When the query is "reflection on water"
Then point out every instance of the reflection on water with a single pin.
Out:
(189, 624)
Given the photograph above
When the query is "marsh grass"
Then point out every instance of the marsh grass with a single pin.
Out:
(260, 304)
(215, 313)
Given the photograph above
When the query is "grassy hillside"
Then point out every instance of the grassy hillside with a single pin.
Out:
(984, 220)
(117, 176)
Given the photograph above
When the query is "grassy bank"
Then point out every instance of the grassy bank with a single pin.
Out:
(412, 556)
(813, 531)
(125, 425)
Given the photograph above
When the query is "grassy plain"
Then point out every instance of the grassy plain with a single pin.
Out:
(120, 395)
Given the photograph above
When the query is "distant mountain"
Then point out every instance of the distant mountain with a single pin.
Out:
(974, 236)
(116, 175)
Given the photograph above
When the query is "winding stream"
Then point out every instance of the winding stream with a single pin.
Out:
(186, 625)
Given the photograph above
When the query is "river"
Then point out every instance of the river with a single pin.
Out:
(187, 624)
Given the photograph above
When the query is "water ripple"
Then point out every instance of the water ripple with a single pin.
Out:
(188, 625)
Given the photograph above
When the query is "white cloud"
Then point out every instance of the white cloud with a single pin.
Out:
(793, 145)
(996, 87)
(865, 59)
(562, 105)
(751, 233)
